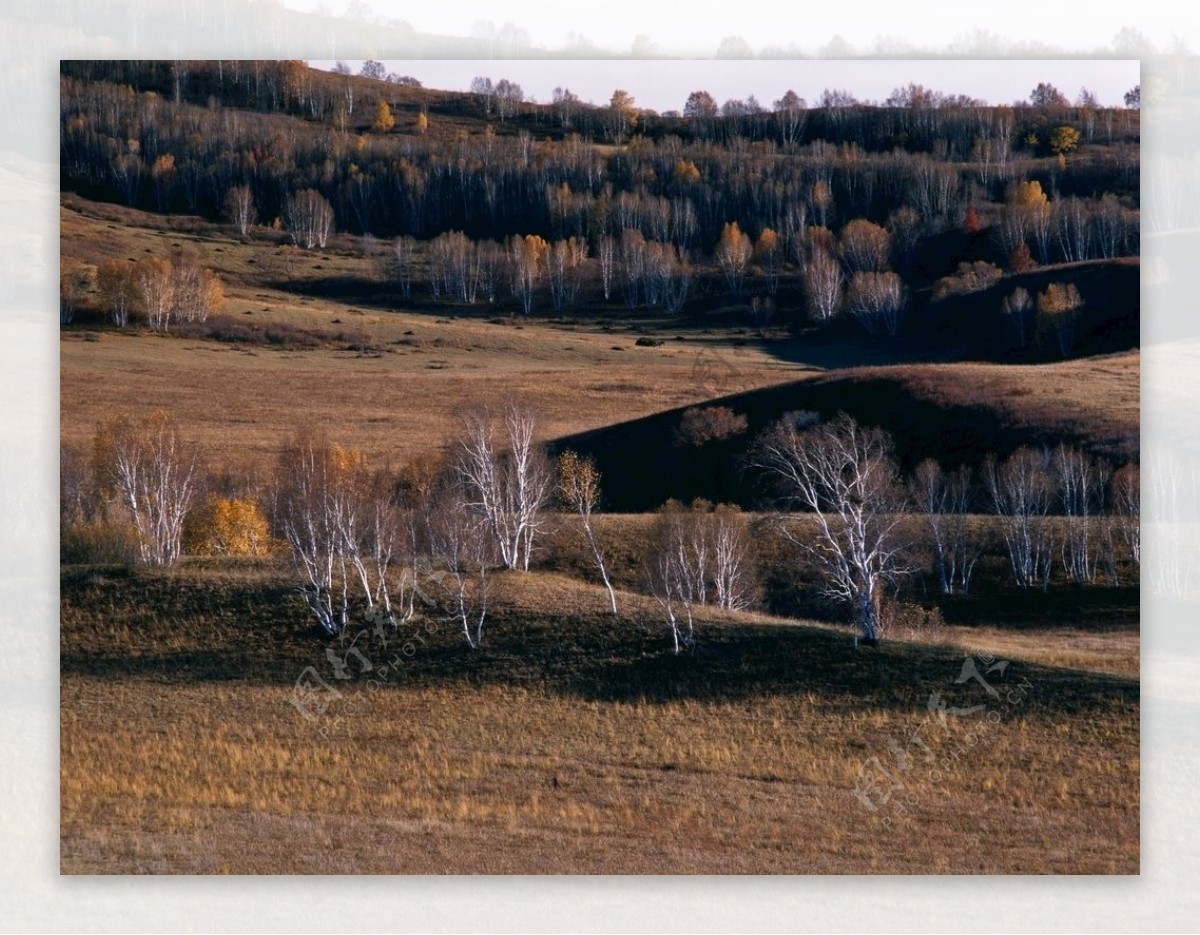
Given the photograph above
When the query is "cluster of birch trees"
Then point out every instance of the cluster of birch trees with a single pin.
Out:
(429, 538)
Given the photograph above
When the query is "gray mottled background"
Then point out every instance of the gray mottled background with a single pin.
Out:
(743, 36)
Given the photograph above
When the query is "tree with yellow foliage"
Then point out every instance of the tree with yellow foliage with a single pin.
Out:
(527, 258)
(227, 526)
(769, 254)
(384, 121)
(733, 255)
(1058, 315)
(1064, 140)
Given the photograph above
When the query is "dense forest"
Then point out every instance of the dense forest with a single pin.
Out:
(851, 205)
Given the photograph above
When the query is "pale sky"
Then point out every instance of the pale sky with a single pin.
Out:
(698, 27)
(664, 85)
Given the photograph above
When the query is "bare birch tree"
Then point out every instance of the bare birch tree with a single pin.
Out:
(1022, 493)
(579, 488)
(945, 501)
(240, 210)
(157, 476)
(846, 476)
(506, 476)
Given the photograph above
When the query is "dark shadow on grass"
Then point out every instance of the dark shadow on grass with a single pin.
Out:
(258, 633)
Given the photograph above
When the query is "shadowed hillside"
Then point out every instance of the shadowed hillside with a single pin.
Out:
(954, 413)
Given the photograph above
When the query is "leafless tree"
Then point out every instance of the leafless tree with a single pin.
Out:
(155, 281)
(877, 300)
(1126, 506)
(674, 569)
(579, 488)
(1022, 493)
(607, 253)
(1017, 308)
(308, 217)
(945, 500)
(405, 250)
(157, 476)
(463, 551)
(823, 286)
(846, 476)
(732, 568)
(1081, 481)
(116, 283)
(240, 210)
(318, 510)
(506, 476)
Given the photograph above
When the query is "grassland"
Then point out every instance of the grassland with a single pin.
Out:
(390, 375)
(574, 742)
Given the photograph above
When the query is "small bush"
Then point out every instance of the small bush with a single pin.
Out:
(902, 620)
(710, 424)
(970, 277)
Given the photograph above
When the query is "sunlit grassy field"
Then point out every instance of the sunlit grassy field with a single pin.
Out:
(575, 742)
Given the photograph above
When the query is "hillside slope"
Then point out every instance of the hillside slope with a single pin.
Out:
(956, 413)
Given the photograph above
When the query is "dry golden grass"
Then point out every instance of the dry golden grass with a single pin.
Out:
(240, 402)
(742, 757)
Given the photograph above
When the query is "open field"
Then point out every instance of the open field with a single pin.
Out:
(573, 743)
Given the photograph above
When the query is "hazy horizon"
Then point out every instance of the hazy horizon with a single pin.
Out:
(664, 84)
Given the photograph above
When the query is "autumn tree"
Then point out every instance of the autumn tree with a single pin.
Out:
(156, 475)
(846, 477)
(701, 425)
(196, 292)
(118, 288)
(1064, 140)
(622, 114)
(1058, 315)
(579, 489)
(527, 260)
(768, 253)
(227, 526)
(733, 252)
(865, 247)
(383, 121)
